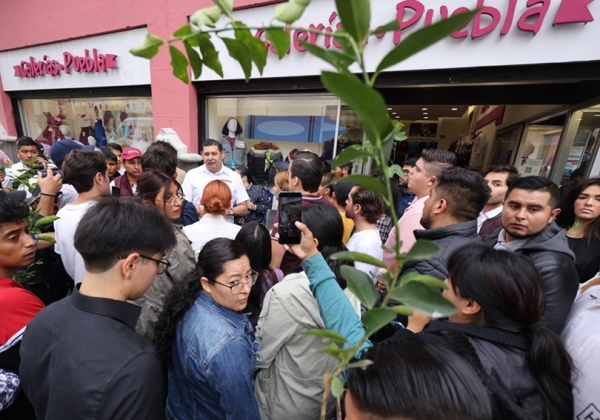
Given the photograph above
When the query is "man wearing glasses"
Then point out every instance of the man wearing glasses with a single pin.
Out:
(81, 356)
(405, 195)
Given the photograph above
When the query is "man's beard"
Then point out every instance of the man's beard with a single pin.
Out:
(425, 221)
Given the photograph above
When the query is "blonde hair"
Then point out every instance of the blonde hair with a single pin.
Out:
(282, 180)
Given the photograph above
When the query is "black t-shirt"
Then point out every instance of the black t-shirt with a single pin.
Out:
(587, 257)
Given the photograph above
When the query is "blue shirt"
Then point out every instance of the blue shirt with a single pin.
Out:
(404, 200)
(211, 373)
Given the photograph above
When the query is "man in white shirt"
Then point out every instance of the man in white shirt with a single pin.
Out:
(498, 178)
(364, 207)
(88, 173)
(213, 168)
(27, 152)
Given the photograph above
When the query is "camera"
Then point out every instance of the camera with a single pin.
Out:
(44, 171)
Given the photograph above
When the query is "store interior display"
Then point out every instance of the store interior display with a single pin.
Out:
(126, 121)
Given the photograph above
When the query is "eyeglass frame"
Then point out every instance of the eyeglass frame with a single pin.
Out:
(254, 277)
(163, 263)
(171, 201)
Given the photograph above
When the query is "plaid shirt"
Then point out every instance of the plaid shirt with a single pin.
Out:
(384, 224)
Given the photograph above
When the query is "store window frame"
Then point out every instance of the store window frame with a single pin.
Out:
(521, 128)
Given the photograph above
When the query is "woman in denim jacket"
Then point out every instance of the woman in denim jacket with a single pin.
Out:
(208, 346)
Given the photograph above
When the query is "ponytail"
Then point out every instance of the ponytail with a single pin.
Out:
(175, 305)
(550, 365)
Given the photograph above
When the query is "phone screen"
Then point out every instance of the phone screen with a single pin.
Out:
(116, 191)
(290, 211)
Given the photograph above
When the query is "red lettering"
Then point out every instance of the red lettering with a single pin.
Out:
(68, 61)
(537, 14)
(573, 11)
(492, 12)
(512, 5)
(313, 36)
(413, 5)
(300, 35)
(336, 44)
(18, 71)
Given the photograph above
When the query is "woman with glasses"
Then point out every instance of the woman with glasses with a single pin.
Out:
(206, 343)
(164, 194)
(216, 200)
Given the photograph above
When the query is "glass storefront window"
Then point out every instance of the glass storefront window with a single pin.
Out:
(505, 144)
(126, 121)
(584, 129)
(280, 124)
(538, 149)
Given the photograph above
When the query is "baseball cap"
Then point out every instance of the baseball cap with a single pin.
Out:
(131, 153)
(14, 195)
(61, 148)
(342, 190)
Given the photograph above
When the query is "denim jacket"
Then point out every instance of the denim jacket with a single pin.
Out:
(211, 373)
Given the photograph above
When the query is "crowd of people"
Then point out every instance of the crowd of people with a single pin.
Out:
(168, 295)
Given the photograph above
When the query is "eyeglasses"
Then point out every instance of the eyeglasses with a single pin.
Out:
(236, 287)
(172, 201)
(162, 264)
(406, 171)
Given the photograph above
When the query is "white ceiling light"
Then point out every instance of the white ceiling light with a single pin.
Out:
(426, 118)
(425, 113)
(389, 109)
(423, 109)
(454, 109)
(397, 116)
(394, 113)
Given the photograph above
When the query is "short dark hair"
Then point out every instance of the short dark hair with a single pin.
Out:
(212, 142)
(13, 210)
(536, 183)
(446, 385)
(371, 204)
(465, 191)
(160, 144)
(115, 146)
(512, 174)
(308, 168)
(26, 141)
(151, 182)
(411, 161)
(347, 165)
(81, 166)
(238, 130)
(113, 227)
(108, 155)
(437, 160)
(159, 159)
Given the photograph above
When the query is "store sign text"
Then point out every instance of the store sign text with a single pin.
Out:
(88, 63)
(413, 13)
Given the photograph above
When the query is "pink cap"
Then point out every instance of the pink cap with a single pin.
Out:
(131, 153)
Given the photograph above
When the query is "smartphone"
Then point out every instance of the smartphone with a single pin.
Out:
(290, 211)
(116, 191)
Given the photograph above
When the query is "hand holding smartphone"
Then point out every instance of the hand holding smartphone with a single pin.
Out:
(290, 212)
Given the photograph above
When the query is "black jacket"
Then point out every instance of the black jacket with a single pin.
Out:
(449, 239)
(550, 253)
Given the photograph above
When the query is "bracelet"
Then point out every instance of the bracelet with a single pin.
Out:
(48, 195)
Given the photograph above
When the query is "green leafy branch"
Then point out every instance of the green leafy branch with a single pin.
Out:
(412, 292)
(36, 224)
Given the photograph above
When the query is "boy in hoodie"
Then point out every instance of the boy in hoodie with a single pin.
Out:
(528, 228)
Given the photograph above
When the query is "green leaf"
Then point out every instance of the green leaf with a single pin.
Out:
(365, 101)
(195, 60)
(226, 6)
(208, 16)
(396, 170)
(356, 17)
(368, 182)
(388, 27)
(337, 387)
(257, 49)
(149, 48)
(337, 59)
(46, 220)
(239, 52)
(179, 64)
(290, 11)
(343, 38)
(424, 38)
(423, 298)
(362, 364)
(47, 239)
(184, 31)
(401, 310)
(332, 350)
(360, 284)
(349, 154)
(376, 319)
(210, 55)
(328, 334)
(425, 279)
(423, 249)
(359, 257)
(279, 39)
